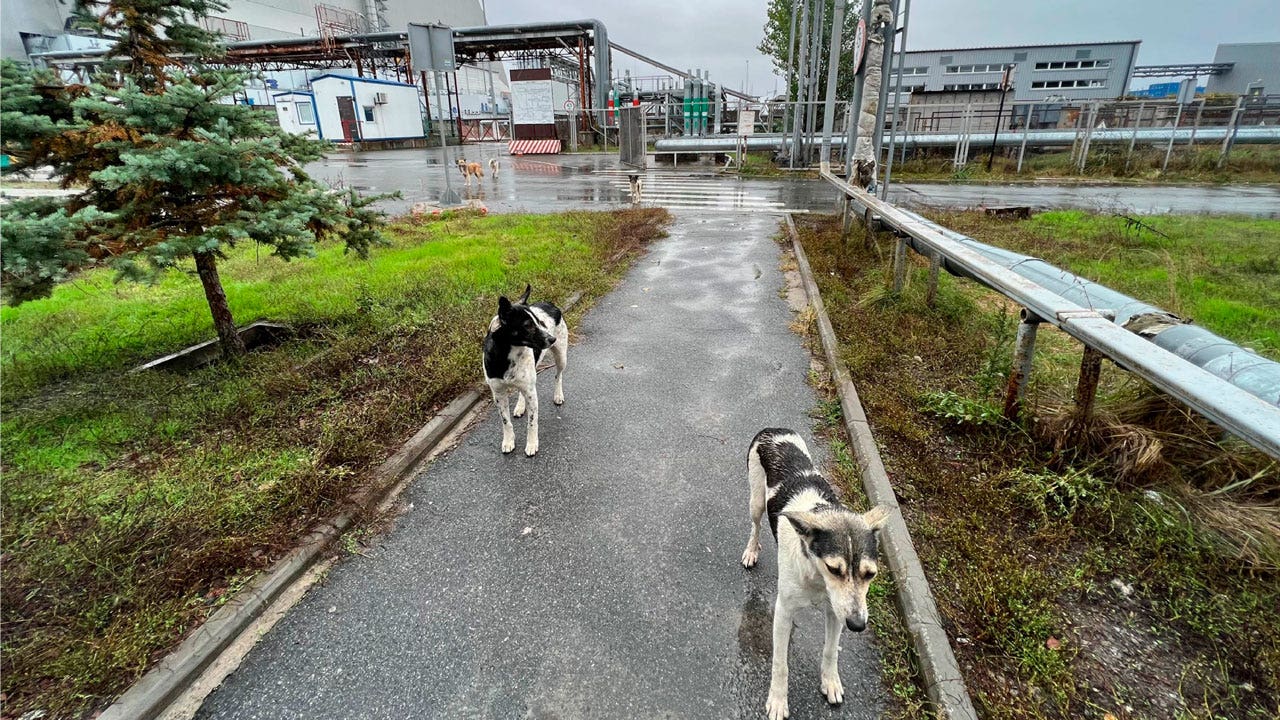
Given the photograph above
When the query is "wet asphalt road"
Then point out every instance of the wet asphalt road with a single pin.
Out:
(599, 579)
(552, 183)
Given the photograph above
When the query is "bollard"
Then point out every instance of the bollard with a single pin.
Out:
(1020, 374)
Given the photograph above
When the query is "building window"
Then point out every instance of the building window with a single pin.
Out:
(1083, 53)
(1074, 65)
(923, 70)
(368, 113)
(980, 68)
(1066, 84)
(306, 113)
(1019, 57)
(965, 87)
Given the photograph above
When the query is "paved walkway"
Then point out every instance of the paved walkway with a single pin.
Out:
(599, 579)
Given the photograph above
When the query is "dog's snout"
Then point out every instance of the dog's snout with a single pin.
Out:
(551, 341)
(855, 624)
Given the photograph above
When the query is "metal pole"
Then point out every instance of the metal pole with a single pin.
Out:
(1023, 355)
(935, 264)
(899, 265)
(897, 101)
(448, 196)
(1088, 136)
(1133, 139)
(811, 96)
(802, 74)
(1177, 120)
(855, 110)
(1231, 136)
(493, 107)
(1196, 125)
(1004, 90)
(1026, 128)
(833, 69)
(890, 35)
(791, 76)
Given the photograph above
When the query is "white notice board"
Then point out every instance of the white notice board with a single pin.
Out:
(532, 102)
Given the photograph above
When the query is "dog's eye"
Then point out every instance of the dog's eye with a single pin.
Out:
(868, 574)
(835, 570)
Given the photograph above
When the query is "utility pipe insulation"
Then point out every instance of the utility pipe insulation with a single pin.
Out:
(1231, 386)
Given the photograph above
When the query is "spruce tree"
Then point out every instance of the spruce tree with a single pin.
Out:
(166, 166)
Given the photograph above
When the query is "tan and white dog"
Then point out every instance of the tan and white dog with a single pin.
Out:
(827, 554)
(468, 169)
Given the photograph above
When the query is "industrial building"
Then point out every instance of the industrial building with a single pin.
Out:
(1073, 71)
(1254, 71)
(32, 26)
(480, 93)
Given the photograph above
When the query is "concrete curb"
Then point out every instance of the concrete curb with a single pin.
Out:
(152, 694)
(943, 681)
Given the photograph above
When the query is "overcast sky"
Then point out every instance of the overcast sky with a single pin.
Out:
(721, 35)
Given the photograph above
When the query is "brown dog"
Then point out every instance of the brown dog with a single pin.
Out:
(469, 169)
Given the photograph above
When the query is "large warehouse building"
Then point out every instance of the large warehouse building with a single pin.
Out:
(31, 26)
(1255, 69)
(1085, 71)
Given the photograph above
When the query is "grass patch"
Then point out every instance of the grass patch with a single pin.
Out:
(137, 504)
(1114, 576)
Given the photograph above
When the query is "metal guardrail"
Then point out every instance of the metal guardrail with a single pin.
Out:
(1239, 412)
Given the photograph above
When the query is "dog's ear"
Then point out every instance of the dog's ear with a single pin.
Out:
(803, 522)
(524, 299)
(504, 306)
(876, 516)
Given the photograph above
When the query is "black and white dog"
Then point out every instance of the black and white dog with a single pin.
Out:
(826, 553)
(518, 335)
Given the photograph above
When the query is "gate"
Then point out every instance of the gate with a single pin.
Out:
(631, 136)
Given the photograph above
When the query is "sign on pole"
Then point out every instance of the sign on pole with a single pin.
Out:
(431, 47)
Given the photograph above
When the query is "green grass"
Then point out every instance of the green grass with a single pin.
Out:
(1023, 537)
(1221, 272)
(135, 504)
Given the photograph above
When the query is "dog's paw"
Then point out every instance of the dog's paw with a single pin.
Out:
(776, 707)
(508, 444)
(558, 399)
(530, 449)
(518, 412)
(832, 688)
(749, 557)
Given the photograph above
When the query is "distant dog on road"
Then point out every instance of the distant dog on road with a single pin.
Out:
(826, 553)
(636, 187)
(468, 169)
(518, 335)
(493, 167)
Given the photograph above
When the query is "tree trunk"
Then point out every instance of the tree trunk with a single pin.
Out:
(232, 344)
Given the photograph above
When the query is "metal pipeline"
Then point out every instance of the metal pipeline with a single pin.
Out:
(1239, 366)
(1218, 379)
(1258, 135)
